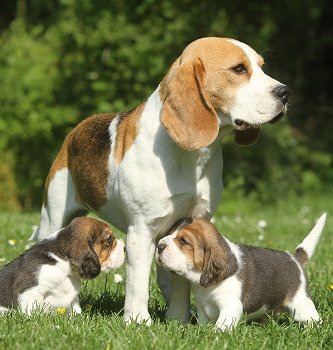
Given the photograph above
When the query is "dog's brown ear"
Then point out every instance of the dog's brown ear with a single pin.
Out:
(246, 137)
(215, 267)
(188, 115)
(87, 262)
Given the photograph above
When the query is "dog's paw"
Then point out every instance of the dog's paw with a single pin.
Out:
(140, 317)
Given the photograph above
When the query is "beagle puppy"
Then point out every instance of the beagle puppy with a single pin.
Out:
(145, 169)
(229, 279)
(47, 276)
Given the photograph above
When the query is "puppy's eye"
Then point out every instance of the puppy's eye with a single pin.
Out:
(183, 241)
(240, 69)
(107, 242)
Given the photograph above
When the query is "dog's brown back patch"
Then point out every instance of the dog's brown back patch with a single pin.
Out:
(88, 154)
(127, 130)
(85, 152)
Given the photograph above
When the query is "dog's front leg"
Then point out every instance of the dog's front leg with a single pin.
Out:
(140, 248)
(179, 299)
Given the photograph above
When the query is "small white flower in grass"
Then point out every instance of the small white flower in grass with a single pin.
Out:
(12, 242)
(238, 219)
(262, 223)
(304, 210)
(224, 218)
(2, 259)
(305, 221)
(261, 237)
(213, 220)
(117, 278)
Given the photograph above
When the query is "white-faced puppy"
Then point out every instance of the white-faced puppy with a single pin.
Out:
(145, 169)
(47, 276)
(229, 279)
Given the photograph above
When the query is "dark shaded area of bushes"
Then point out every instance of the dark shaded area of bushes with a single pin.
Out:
(63, 60)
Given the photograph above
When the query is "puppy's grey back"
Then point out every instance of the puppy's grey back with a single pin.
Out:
(269, 277)
(22, 273)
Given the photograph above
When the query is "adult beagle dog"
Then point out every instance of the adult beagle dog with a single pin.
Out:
(47, 276)
(145, 169)
(229, 279)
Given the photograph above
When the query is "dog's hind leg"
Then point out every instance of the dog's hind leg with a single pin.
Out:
(60, 205)
(179, 299)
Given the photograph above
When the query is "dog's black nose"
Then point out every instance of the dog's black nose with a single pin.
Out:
(282, 93)
(161, 247)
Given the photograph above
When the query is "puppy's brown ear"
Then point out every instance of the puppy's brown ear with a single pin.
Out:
(215, 267)
(87, 263)
(246, 137)
(188, 115)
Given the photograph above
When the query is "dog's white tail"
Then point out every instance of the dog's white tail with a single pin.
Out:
(305, 250)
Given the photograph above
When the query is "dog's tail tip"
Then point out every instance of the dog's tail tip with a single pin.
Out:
(305, 250)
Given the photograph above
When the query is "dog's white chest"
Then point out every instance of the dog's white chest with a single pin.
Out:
(160, 182)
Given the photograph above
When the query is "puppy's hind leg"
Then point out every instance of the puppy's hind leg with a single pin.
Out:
(302, 309)
(60, 205)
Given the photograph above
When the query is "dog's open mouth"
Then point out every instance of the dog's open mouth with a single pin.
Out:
(243, 125)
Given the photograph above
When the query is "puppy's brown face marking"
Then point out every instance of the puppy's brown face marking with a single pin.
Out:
(104, 245)
(202, 244)
(192, 246)
(89, 244)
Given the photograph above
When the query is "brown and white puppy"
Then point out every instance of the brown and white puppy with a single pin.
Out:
(47, 276)
(145, 169)
(229, 279)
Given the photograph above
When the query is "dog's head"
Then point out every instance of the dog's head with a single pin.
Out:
(91, 247)
(219, 81)
(196, 251)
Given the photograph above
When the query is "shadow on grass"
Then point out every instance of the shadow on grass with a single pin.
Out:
(107, 303)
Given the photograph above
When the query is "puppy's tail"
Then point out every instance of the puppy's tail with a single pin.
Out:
(305, 250)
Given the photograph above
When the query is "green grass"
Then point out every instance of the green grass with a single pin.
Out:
(101, 325)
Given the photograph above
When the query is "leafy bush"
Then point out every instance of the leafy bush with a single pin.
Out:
(62, 61)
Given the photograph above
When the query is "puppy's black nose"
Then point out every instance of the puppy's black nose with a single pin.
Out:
(282, 93)
(161, 247)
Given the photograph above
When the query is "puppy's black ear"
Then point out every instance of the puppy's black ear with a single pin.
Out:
(215, 267)
(88, 263)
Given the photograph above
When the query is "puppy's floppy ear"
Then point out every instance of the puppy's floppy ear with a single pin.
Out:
(246, 137)
(215, 267)
(87, 262)
(188, 115)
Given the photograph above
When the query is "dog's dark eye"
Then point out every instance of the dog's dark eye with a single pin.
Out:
(240, 69)
(182, 240)
(108, 242)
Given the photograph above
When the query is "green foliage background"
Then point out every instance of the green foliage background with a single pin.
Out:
(63, 60)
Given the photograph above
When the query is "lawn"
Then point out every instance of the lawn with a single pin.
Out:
(280, 225)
